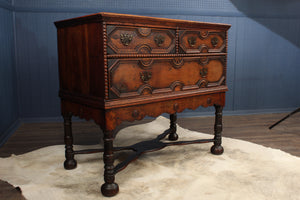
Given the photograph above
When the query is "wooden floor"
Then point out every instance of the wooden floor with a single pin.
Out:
(253, 128)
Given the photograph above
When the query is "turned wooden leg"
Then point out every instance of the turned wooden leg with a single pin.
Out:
(109, 188)
(70, 162)
(173, 135)
(217, 149)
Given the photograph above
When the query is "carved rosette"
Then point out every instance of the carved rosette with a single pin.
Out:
(145, 89)
(203, 60)
(176, 86)
(177, 62)
(203, 34)
(145, 49)
(202, 83)
(144, 32)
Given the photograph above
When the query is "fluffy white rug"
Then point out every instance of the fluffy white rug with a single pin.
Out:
(244, 171)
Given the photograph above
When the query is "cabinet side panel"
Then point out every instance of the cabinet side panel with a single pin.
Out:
(95, 44)
(80, 60)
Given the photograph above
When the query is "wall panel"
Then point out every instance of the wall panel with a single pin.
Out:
(38, 64)
(267, 65)
(8, 80)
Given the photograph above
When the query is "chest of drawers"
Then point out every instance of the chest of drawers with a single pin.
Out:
(115, 68)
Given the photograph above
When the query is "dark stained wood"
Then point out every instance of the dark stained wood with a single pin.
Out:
(133, 77)
(70, 162)
(173, 128)
(217, 149)
(125, 19)
(113, 90)
(125, 40)
(109, 188)
(206, 40)
(80, 60)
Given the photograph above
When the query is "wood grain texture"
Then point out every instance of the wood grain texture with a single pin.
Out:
(140, 40)
(83, 62)
(164, 75)
(202, 41)
(134, 82)
(138, 20)
(126, 85)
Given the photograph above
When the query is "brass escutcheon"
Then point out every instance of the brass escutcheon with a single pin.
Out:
(203, 72)
(125, 38)
(159, 40)
(192, 40)
(145, 76)
(214, 41)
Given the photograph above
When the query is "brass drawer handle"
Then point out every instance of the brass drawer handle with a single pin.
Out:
(192, 41)
(203, 72)
(159, 40)
(214, 41)
(145, 76)
(125, 38)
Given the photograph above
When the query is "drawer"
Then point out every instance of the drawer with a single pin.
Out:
(134, 77)
(203, 41)
(127, 40)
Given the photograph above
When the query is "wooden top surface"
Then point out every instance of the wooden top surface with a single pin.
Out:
(126, 19)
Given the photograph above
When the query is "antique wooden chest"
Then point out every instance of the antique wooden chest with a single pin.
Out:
(116, 67)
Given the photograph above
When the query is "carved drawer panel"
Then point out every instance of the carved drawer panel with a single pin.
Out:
(125, 39)
(204, 41)
(133, 77)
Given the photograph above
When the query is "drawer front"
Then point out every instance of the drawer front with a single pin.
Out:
(204, 41)
(134, 77)
(127, 40)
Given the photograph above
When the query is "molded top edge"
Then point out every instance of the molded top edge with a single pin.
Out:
(139, 20)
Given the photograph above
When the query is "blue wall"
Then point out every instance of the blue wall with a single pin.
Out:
(8, 78)
(264, 46)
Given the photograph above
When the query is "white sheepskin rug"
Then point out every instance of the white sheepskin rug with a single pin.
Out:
(244, 171)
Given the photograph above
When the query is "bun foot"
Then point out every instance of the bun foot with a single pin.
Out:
(173, 136)
(217, 150)
(109, 189)
(70, 164)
